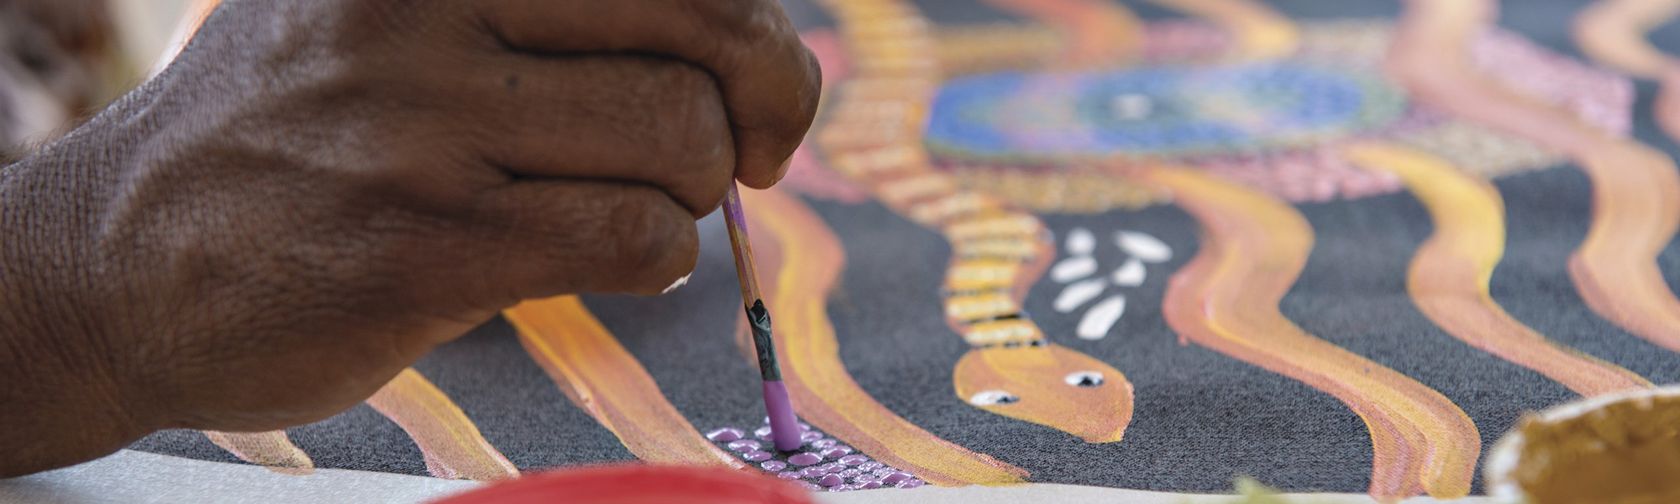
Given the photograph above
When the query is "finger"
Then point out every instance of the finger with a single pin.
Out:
(538, 239)
(643, 119)
(770, 81)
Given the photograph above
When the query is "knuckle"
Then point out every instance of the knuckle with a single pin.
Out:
(745, 18)
(646, 237)
(745, 27)
(697, 142)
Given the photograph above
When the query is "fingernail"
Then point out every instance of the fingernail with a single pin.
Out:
(677, 284)
(782, 172)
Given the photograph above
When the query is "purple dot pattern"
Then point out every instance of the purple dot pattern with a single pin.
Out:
(835, 452)
(725, 435)
(745, 445)
(821, 464)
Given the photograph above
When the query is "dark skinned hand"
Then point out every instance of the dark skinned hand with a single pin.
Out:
(318, 192)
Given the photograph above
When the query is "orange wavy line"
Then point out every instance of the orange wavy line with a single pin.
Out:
(605, 380)
(1636, 190)
(1100, 32)
(1450, 273)
(270, 449)
(1667, 107)
(1227, 298)
(1261, 33)
(822, 389)
(1613, 32)
(452, 445)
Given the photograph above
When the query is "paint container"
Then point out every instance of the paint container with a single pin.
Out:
(1621, 448)
(639, 483)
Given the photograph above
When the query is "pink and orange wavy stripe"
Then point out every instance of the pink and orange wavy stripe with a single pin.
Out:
(1449, 275)
(806, 260)
(1636, 190)
(451, 444)
(605, 380)
(270, 449)
(1226, 298)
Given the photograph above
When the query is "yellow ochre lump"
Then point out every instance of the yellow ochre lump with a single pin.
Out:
(1623, 452)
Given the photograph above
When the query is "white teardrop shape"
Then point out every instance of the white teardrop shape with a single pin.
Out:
(1073, 268)
(1073, 296)
(1084, 379)
(1143, 246)
(1081, 241)
(1131, 274)
(1102, 317)
(993, 398)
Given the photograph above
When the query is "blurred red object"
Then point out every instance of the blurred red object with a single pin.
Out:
(638, 484)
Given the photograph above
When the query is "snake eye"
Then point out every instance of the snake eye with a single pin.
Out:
(992, 398)
(1085, 379)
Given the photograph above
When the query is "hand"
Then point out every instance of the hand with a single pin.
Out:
(318, 192)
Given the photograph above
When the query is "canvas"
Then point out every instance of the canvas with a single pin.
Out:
(1150, 245)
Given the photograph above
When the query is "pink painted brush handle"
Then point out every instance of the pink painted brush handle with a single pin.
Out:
(739, 241)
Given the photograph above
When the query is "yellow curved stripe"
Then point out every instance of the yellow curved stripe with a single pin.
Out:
(1098, 32)
(1227, 299)
(1613, 33)
(270, 449)
(1261, 33)
(1636, 190)
(605, 380)
(823, 392)
(1449, 275)
(452, 445)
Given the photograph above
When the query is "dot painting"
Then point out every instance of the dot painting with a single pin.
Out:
(1334, 248)
(820, 463)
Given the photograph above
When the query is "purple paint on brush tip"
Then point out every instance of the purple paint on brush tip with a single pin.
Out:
(784, 428)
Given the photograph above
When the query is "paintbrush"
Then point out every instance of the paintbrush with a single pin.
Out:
(784, 428)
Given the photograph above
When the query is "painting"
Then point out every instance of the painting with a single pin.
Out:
(1156, 245)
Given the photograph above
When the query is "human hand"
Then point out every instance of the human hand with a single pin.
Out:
(318, 192)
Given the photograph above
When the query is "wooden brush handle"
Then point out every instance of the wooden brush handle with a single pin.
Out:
(743, 246)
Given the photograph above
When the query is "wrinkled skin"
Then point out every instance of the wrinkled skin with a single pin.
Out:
(318, 192)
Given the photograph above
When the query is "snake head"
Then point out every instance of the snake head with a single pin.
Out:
(1048, 385)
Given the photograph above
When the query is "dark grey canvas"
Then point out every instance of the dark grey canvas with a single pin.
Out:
(1201, 418)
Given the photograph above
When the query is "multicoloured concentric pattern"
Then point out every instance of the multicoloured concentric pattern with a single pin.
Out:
(1276, 125)
(1157, 111)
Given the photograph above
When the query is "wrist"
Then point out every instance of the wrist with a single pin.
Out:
(65, 396)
